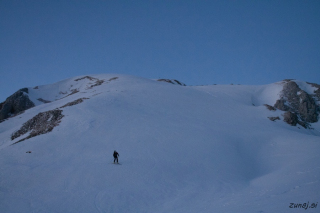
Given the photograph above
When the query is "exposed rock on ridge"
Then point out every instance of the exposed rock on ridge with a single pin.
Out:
(316, 94)
(15, 104)
(75, 102)
(300, 106)
(173, 81)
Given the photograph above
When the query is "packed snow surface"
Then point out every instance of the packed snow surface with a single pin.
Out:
(182, 149)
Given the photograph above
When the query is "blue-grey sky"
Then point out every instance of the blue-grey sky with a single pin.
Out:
(198, 42)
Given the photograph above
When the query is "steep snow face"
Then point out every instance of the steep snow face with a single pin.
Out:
(248, 95)
(182, 149)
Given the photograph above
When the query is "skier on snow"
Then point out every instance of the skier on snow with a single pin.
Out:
(115, 155)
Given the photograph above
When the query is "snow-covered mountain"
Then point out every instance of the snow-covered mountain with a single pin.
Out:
(218, 148)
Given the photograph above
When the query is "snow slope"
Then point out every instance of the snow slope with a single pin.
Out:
(182, 149)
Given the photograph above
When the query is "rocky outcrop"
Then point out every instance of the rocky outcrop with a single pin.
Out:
(172, 81)
(271, 108)
(316, 94)
(307, 108)
(97, 82)
(290, 118)
(274, 118)
(42, 123)
(75, 102)
(301, 107)
(281, 104)
(16, 103)
(43, 101)
(293, 119)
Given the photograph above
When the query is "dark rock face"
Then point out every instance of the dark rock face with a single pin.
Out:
(301, 107)
(15, 104)
(42, 123)
(280, 104)
(307, 108)
(290, 118)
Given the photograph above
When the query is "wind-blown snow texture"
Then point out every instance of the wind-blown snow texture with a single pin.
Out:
(182, 148)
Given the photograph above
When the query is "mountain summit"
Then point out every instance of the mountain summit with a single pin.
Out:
(217, 148)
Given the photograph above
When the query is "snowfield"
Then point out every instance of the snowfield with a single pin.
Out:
(182, 149)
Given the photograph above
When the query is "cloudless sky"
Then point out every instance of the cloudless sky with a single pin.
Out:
(198, 42)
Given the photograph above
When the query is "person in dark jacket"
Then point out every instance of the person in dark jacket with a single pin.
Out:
(115, 155)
